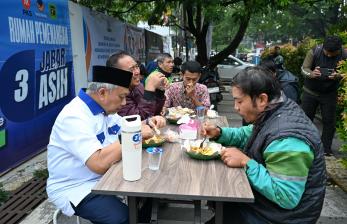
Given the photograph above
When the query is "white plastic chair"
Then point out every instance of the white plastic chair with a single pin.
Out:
(55, 217)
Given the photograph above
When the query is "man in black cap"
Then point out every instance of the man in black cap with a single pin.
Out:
(321, 84)
(84, 144)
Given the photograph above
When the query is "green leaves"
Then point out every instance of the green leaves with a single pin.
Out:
(341, 126)
(3, 194)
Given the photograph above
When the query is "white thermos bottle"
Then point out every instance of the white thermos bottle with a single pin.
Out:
(131, 147)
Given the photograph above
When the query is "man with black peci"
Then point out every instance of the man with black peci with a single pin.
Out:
(84, 144)
(321, 84)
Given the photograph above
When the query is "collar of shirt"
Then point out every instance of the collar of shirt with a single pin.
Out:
(164, 73)
(94, 107)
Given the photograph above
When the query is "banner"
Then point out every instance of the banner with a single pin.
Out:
(154, 45)
(36, 78)
(103, 35)
(134, 38)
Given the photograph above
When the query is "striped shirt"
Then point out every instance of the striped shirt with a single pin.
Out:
(176, 96)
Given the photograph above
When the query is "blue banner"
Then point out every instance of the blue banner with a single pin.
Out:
(36, 75)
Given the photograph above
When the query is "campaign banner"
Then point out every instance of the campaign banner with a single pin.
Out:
(36, 76)
(134, 41)
(102, 35)
(154, 45)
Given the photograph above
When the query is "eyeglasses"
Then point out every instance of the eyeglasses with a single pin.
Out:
(134, 67)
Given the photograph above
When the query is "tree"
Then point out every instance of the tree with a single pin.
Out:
(314, 19)
(199, 14)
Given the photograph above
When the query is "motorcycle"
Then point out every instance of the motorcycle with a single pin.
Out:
(210, 78)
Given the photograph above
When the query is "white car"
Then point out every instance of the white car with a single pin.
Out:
(230, 66)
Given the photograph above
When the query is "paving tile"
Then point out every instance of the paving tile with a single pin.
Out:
(334, 208)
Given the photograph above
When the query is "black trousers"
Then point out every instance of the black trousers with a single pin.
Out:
(238, 213)
(327, 103)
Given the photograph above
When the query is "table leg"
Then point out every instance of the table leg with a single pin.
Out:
(132, 204)
(197, 212)
(155, 208)
(219, 212)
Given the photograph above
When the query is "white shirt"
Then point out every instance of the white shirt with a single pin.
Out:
(80, 129)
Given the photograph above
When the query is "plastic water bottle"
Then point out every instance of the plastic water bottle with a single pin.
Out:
(200, 114)
(131, 147)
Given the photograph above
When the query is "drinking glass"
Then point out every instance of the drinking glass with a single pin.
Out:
(200, 113)
(154, 157)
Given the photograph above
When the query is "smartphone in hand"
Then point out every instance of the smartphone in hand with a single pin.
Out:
(326, 71)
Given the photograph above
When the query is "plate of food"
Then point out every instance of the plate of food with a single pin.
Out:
(175, 113)
(155, 141)
(208, 151)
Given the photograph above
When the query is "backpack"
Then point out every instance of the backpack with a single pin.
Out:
(289, 84)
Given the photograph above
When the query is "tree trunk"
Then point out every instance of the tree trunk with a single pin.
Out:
(200, 42)
(198, 29)
(215, 60)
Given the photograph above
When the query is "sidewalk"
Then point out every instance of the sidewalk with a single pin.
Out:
(334, 208)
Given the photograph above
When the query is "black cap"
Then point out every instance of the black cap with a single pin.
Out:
(111, 75)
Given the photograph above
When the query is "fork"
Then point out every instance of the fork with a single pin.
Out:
(202, 143)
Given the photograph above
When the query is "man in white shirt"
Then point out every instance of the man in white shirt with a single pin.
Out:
(84, 144)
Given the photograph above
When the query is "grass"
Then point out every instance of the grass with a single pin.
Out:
(41, 173)
(3, 194)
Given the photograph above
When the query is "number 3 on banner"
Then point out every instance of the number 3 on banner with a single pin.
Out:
(17, 86)
(21, 93)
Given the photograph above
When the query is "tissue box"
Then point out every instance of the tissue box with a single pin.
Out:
(188, 131)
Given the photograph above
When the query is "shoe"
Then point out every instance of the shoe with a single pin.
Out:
(210, 221)
(328, 154)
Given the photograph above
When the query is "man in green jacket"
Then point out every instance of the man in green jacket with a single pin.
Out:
(280, 151)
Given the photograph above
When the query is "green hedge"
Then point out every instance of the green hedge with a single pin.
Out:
(294, 56)
(341, 126)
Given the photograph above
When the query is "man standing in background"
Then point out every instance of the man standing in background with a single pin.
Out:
(321, 84)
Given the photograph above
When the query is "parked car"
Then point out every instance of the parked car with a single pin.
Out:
(230, 67)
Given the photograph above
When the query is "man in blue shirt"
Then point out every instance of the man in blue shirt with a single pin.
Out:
(84, 144)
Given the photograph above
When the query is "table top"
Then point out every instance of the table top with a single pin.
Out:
(180, 177)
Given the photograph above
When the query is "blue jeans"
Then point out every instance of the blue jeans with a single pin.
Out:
(102, 209)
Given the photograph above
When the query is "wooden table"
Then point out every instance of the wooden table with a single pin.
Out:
(180, 177)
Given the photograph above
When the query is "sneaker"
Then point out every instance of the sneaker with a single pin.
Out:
(328, 154)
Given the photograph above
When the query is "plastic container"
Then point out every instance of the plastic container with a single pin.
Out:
(189, 130)
(131, 147)
(200, 112)
(154, 157)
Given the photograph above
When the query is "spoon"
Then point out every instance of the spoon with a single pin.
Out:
(202, 143)
(156, 130)
(153, 127)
